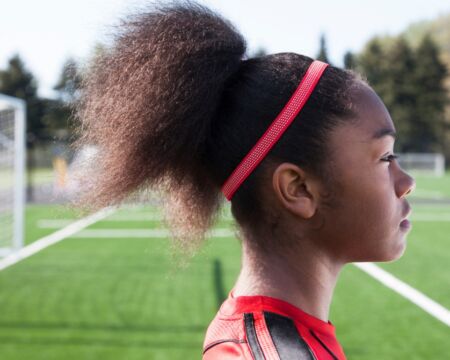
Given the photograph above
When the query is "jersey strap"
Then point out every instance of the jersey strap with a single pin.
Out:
(272, 336)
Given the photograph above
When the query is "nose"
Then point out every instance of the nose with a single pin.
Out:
(406, 185)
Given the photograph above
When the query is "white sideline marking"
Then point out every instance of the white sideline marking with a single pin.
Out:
(429, 193)
(53, 223)
(74, 230)
(54, 238)
(424, 302)
(136, 217)
(147, 216)
(59, 223)
(419, 208)
(431, 217)
(142, 233)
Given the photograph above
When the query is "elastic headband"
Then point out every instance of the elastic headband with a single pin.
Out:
(276, 129)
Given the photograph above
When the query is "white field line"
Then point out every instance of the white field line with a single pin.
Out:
(429, 193)
(59, 223)
(53, 223)
(142, 233)
(426, 208)
(143, 216)
(387, 279)
(57, 236)
(431, 217)
(424, 302)
(74, 230)
(146, 216)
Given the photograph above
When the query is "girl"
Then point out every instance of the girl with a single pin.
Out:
(302, 149)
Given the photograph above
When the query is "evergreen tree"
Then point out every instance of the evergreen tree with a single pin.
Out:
(411, 84)
(58, 118)
(400, 93)
(350, 61)
(429, 75)
(372, 63)
(323, 53)
(69, 81)
(17, 81)
(389, 71)
(258, 53)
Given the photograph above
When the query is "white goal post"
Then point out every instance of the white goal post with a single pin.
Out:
(12, 173)
(431, 164)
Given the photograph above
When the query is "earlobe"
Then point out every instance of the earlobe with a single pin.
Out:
(290, 184)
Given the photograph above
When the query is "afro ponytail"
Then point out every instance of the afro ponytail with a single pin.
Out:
(148, 103)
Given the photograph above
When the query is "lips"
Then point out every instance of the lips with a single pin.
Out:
(407, 211)
(405, 224)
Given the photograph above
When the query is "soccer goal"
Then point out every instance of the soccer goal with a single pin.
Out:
(428, 164)
(12, 173)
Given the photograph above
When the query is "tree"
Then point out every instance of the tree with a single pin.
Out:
(400, 93)
(323, 53)
(411, 84)
(429, 75)
(69, 81)
(350, 61)
(17, 81)
(389, 71)
(372, 63)
(258, 53)
(58, 118)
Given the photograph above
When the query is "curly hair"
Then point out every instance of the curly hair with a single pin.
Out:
(173, 105)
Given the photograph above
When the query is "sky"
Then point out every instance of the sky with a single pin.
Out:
(46, 32)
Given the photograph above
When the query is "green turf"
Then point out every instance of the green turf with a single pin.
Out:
(118, 299)
(427, 186)
(425, 262)
(372, 322)
(36, 212)
(38, 176)
(105, 301)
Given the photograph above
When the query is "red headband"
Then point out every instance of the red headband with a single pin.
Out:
(276, 129)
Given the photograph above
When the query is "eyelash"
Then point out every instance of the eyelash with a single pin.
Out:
(390, 158)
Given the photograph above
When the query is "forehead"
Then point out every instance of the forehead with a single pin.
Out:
(372, 124)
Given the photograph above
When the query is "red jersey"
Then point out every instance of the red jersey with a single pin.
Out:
(266, 328)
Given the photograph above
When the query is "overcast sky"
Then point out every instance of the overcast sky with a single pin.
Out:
(46, 32)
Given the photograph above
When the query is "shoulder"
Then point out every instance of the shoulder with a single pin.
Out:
(255, 335)
(227, 349)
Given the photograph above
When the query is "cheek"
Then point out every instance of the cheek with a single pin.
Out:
(363, 224)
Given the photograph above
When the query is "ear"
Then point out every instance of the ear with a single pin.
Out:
(296, 190)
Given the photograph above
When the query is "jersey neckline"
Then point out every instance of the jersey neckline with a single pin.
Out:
(233, 306)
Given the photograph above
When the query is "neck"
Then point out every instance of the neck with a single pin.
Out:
(305, 278)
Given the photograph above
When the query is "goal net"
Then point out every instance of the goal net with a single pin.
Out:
(428, 164)
(12, 173)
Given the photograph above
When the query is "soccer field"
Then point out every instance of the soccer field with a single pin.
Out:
(108, 291)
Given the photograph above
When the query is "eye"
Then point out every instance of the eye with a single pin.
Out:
(390, 158)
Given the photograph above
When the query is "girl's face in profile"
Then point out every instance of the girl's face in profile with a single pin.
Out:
(372, 188)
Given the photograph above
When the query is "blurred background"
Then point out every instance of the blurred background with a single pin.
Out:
(105, 287)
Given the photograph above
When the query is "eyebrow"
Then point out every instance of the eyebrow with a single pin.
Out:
(384, 132)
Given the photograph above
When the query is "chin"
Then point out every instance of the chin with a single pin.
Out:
(391, 252)
(394, 253)
(393, 258)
